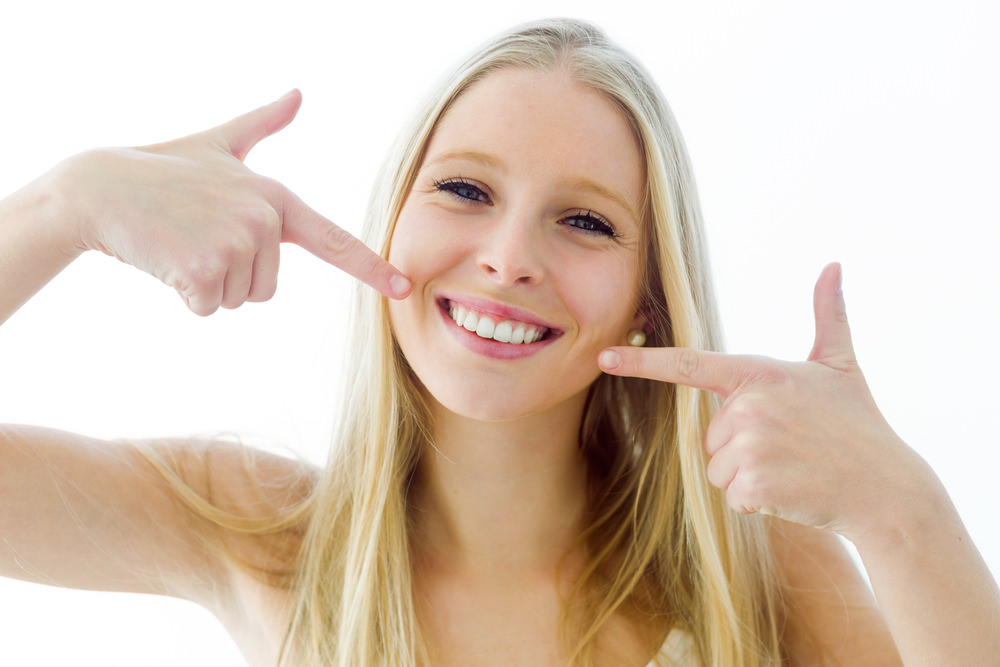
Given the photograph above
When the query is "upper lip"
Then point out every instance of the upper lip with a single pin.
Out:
(497, 310)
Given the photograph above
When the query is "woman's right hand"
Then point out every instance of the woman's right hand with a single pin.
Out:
(190, 213)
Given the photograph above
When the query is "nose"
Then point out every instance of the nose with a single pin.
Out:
(510, 253)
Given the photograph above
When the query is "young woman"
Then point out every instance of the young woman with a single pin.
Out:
(545, 459)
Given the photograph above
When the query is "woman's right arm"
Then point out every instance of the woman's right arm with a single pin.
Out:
(79, 512)
(186, 211)
(84, 513)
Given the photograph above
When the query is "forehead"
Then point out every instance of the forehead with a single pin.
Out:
(543, 125)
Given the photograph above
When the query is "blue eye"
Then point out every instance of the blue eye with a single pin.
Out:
(590, 222)
(462, 189)
(467, 192)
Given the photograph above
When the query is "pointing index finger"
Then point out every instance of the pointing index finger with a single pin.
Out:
(713, 371)
(308, 229)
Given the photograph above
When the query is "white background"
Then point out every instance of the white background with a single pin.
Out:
(857, 131)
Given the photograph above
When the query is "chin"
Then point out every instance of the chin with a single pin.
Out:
(497, 405)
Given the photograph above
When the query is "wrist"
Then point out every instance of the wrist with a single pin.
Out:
(907, 515)
(62, 205)
(40, 223)
(37, 241)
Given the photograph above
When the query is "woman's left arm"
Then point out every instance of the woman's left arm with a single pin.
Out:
(831, 615)
(805, 442)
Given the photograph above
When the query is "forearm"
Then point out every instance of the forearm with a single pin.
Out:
(36, 242)
(938, 597)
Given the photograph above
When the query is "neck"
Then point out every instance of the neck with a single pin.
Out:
(500, 497)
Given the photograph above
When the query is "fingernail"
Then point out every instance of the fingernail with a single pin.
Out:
(400, 286)
(840, 280)
(609, 360)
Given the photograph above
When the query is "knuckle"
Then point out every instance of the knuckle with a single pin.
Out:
(373, 265)
(688, 363)
(751, 456)
(201, 307)
(233, 297)
(259, 293)
(744, 446)
(750, 453)
(240, 245)
(337, 242)
(716, 473)
(747, 409)
(745, 494)
(270, 188)
(716, 436)
(736, 500)
(709, 442)
(205, 272)
(270, 222)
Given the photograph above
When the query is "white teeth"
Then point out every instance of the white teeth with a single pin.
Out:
(506, 331)
(502, 332)
(485, 328)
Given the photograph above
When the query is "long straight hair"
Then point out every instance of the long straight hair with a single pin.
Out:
(660, 542)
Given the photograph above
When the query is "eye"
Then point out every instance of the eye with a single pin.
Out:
(589, 221)
(461, 189)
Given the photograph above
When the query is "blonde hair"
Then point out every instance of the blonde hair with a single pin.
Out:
(663, 548)
(662, 543)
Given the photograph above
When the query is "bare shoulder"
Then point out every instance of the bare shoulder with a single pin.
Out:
(251, 486)
(833, 617)
(248, 507)
(168, 517)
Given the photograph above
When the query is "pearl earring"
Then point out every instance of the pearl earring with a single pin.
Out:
(636, 338)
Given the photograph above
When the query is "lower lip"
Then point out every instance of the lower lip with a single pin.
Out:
(489, 347)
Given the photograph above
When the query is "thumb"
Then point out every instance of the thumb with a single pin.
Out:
(242, 133)
(833, 334)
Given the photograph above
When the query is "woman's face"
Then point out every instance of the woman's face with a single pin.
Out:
(521, 237)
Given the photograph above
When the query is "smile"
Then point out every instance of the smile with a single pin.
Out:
(493, 323)
(502, 331)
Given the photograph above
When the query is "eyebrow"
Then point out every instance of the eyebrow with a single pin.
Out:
(587, 185)
(473, 156)
(581, 184)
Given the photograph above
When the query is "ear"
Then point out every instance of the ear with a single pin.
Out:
(641, 322)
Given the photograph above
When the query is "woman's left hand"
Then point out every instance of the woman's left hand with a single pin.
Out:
(803, 441)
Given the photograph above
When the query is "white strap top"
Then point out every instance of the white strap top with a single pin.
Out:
(677, 651)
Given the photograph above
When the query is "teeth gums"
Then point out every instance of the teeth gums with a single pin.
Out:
(505, 331)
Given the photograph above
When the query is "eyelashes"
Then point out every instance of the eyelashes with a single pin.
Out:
(591, 222)
(469, 193)
(463, 190)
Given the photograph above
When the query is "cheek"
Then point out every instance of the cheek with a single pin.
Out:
(424, 249)
(405, 244)
(602, 298)
(423, 243)
(406, 248)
